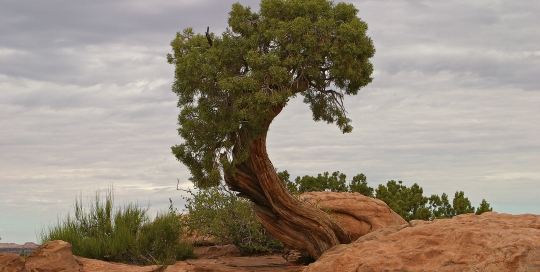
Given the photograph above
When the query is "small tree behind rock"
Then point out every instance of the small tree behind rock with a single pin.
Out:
(484, 207)
(462, 204)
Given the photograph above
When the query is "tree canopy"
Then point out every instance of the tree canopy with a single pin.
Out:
(230, 87)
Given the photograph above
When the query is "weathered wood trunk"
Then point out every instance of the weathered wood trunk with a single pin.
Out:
(298, 225)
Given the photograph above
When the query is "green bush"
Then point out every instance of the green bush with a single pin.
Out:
(228, 219)
(484, 207)
(121, 235)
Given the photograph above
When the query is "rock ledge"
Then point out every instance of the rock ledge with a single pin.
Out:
(487, 242)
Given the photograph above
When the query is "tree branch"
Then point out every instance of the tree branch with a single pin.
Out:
(337, 97)
(210, 42)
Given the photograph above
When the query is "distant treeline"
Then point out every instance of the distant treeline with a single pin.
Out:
(20, 251)
(409, 202)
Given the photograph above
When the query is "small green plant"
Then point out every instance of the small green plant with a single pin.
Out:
(219, 213)
(121, 235)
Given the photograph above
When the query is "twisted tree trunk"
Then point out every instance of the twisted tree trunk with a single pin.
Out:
(298, 225)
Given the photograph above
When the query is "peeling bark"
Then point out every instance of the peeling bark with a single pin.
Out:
(298, 225)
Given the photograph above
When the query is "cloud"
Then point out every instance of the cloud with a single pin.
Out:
(85, 102)
(99, 41)
(488, 43)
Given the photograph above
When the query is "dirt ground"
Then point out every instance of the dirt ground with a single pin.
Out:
(267, 263)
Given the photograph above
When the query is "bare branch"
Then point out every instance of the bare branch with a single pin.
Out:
(210, 42)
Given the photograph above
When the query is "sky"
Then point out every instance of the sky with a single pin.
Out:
(86, 104)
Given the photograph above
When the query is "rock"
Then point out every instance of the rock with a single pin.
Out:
(90, 265)
(357, 213)
(10, 262)
(213, 252)
(296, 257)
(487, 242)
(266, 263)
(56, 256)
(52, 256)
(27, 248)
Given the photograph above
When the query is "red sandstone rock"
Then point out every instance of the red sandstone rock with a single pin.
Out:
(91, 265)
(214, 252)
(27, 246)
(10, 262)
(487, 242)
(268, 263)
(357, 213)
(52, 256)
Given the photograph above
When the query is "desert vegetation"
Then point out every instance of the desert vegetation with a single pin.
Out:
(121, 234)
(126, 234)
(219, 213)
(409, 202)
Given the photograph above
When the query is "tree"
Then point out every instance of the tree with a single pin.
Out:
(462, 204)
(409, 203)
(231, 87)
(291, 186)
(441, 207)
(334, 183)
(359, 184)
(484, 207)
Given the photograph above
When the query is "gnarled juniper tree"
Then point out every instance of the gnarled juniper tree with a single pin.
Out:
(231, 87)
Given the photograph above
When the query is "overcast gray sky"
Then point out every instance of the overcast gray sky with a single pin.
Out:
(85, 102)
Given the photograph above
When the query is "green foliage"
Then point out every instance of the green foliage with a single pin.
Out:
(441, 207)
(335, 183)
(359, 185)
(125, 235)
(411, 204)
(484, 207)
(408, 202)
(161, 238)
(229, 219)
(291, 186)
(231, 86)
(461, 204)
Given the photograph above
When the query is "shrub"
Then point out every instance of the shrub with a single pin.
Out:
(229, 219)
(121, 235)
(484, 207)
